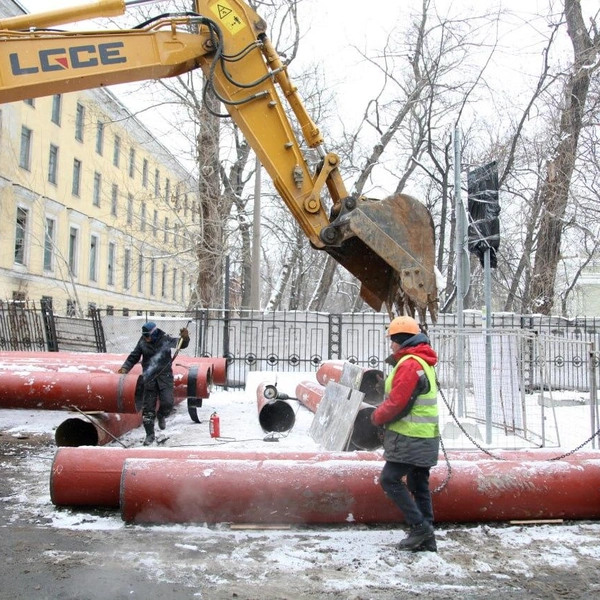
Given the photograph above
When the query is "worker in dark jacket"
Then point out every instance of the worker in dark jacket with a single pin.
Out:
(154, 348)
(409, 415)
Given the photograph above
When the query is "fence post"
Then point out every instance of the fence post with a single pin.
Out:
(593, 393)
(334, 349)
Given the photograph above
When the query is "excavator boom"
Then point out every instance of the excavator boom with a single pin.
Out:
(388, 245)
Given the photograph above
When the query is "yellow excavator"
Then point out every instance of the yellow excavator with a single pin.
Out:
(388, 245)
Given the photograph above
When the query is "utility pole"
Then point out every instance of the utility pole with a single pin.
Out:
(255, 265)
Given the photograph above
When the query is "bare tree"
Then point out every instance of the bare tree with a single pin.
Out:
(555, 189)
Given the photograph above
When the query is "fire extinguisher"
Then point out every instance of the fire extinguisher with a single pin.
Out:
(214, 425)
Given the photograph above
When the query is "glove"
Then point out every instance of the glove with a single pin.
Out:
(122, 371)
(184, 333)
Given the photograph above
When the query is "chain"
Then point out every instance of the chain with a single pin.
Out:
(485, 451)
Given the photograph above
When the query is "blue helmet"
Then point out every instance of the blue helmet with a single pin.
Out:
(148, 328)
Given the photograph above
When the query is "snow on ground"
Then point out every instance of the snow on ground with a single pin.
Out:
(353, 562)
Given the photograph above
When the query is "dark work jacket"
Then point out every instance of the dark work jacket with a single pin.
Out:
(156, 357)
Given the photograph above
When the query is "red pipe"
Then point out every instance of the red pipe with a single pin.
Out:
(58, 390)
(103, 362)
(279, 491)
(90, 476)
(273, 414)
(310, 394)
(96, 429)
(371, 382)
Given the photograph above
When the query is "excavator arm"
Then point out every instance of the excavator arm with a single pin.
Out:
(388, 245)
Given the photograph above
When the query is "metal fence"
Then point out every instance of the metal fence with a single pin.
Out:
(535, 364)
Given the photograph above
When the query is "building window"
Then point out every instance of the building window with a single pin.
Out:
(117, 151)
(49, 240)
(94, 258)
(143, 217)
(46, 303)
(99, 138)
(56, 108)
(163, 282)
(145, 173)
(53, 164)
(97, 189)
(71, 308)
(131, 162)
(168, 190)
(110, 310)
(175, 235)
(21, 235)
(127, 269)
(157, 183)
(73, 250)
(110, 267)
(174, 284)
(91, 309)
(79, 122)
(166, 232)
(152, 276)
(155, 223)
(25, 153)
(140, 274)
(129, 209)
(76, 187)
(114, 200)
(30, 101)
(125, 312)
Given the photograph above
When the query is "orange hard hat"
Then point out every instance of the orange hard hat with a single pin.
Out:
(403, 325)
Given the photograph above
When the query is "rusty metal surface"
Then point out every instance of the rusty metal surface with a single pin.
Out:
(389, 246)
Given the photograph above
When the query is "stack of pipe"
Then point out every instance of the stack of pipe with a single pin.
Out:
(194, 486)
(89, 383)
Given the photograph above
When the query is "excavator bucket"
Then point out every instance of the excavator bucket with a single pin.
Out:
(389, 246)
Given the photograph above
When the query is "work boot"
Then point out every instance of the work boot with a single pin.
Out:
(150, 437)
(429, 545)
(162, 421)
(416, 536)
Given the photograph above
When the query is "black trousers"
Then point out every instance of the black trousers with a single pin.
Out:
(413, 498)
(157, 390)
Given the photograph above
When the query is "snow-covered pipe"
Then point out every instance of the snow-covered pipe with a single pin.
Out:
(95, 429)
(57, 391)
(364, 436)
(370, 383)
(274, 414)
(281, 491)
(106, 362)
(90, 476)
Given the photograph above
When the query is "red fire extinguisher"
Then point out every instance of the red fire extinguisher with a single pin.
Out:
(214, 425)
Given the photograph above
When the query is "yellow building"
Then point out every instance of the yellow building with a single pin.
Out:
(94, 211)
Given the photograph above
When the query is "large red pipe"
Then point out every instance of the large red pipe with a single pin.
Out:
(279, 491)
(90, 476)
(274, 415)
(60, 390)
(95, 429)
(92, 391)
(88, 361)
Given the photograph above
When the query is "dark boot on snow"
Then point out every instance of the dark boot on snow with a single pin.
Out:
(162, 421)
(150, 437)
(417, 535)
(429, 545)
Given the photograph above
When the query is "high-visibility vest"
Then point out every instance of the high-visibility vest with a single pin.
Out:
(422, 420)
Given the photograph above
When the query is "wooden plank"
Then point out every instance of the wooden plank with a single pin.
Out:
(334, 419)
(257, 526)
(537, 522)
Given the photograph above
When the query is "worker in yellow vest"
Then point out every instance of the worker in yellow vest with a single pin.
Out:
(409, 416)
